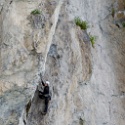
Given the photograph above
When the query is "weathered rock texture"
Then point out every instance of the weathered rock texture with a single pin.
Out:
(87, 84)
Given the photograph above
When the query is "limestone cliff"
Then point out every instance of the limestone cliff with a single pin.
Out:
(87, 84)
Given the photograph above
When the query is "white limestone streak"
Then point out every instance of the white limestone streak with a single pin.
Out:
(52, 31)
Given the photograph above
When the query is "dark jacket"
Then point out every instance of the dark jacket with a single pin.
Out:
(46, 89)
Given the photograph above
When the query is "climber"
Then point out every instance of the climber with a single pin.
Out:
(45, 95)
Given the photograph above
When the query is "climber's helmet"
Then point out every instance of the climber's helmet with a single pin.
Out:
(47, 82)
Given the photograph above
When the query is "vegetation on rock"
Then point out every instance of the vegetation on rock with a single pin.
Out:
(82, 24)
(93, 39)
(113, 12)
(36, 11)
(123, 24)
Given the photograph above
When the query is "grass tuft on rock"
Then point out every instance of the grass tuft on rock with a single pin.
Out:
(36, 11)
(113, 12)
(92, 40)
(123, 24)
(82, 24)
(28, 107)
(81, 121)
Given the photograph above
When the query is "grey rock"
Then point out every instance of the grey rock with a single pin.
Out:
(86, 84)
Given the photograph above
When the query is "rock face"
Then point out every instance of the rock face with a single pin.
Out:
(87, 84)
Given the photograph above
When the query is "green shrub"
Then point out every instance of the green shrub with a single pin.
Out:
(81, 121)
(123, 24)
(93, 39)
(113, 12)
(82, 24)
(36, 11)
(78, 21)
(28, 107)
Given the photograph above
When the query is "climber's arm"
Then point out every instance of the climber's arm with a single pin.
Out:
(43, 83)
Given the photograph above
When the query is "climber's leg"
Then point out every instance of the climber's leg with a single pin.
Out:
(46, 104)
